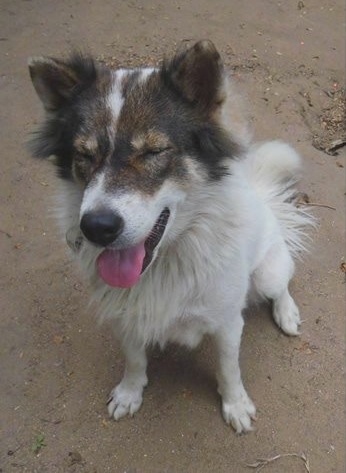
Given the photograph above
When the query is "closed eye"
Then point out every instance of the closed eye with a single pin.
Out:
(157, 151)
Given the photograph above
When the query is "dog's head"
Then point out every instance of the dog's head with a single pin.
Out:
(137, 142)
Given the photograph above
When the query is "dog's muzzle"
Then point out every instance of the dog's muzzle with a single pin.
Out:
(117, 267)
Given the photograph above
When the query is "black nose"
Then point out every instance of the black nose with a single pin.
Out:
(101, 226)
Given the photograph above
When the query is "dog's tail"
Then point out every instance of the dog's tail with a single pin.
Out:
(275, 171)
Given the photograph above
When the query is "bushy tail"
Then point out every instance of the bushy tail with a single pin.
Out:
(275, 169)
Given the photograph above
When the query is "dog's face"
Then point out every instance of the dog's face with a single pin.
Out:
(137, 142)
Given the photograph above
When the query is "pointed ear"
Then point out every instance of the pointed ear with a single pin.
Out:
(198, 75)
(56, 82)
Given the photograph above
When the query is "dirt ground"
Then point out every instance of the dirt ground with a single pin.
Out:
(57, 365)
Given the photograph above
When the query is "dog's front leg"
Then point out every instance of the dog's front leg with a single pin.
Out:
(126, 397)
(237, 407)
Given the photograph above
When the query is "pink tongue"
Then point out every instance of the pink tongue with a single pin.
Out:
(121, 268)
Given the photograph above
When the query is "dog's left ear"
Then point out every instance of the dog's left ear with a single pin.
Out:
(198, 75)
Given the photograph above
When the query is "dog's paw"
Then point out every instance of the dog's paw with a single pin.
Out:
(286, 315)
(124, 400)
(239, 413)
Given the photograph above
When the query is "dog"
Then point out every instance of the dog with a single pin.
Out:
(173, 213)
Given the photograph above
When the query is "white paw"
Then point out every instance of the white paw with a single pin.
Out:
(286, 315)
(124, 400)
(239, 413)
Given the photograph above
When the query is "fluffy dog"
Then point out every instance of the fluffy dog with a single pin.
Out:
(172, 212)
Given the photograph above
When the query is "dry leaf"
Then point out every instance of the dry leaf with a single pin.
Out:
(58, 339)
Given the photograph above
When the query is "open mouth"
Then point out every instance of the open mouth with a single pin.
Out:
(123, 268)
(154, 237)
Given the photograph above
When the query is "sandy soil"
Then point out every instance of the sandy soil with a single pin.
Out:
(57, 367)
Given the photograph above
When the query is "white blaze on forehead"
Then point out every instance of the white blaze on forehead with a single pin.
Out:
(115, 99)
(145, 73)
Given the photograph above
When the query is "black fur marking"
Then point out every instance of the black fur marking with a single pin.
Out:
(58, 82)
(85, 68)
(103, 144)
(55, 136)
(130, 81)
(122, 150)
(158, 103)
(192, 121)
(213, 147)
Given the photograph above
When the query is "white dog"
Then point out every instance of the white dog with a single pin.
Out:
(172, 212)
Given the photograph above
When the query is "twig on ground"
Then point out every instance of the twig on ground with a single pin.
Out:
(302, 199)
(335, 145)
(262, 462)
(315, 204)
(6, 233)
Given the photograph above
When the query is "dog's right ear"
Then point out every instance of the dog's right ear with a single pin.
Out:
(56, 82)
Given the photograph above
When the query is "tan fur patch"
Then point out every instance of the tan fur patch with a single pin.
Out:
(150, 141)
(86, 145)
